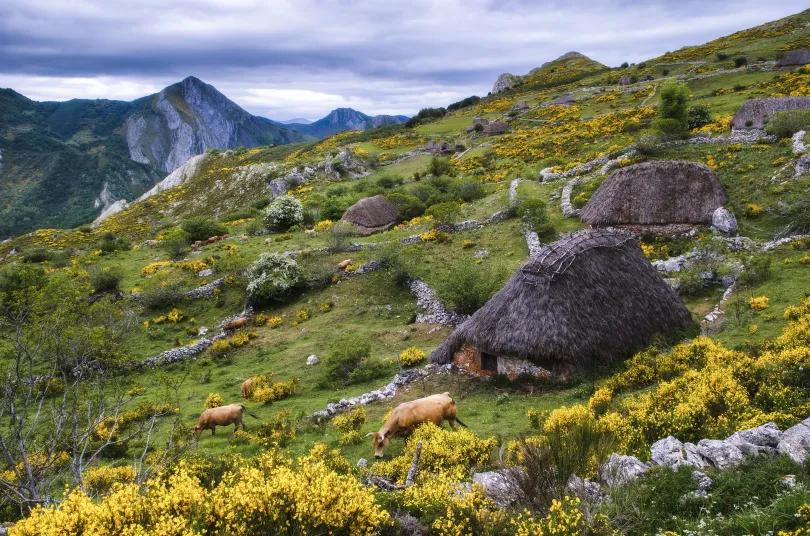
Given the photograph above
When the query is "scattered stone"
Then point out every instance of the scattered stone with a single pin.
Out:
(789, 481)
(206, 273)
(760, 440)
(724, 221)
(481, 254)
(585, 489)
(362, 462)
(667, 452)
(693, 456)
(498, 486)
(620, 470)
(720, 453)
(435, 311)
(313, 360)
(795, 442)
(702, 480)
(409, 525)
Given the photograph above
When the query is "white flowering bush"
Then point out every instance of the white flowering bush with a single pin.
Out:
(272, 276)
(284, 212)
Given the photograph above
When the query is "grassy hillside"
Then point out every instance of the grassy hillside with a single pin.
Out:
(743, 370)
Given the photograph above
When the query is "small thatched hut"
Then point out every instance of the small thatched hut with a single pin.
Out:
(483, 121)
(656, 193)
(647, 78)
(496, 127)
(588, 298)
(432, 146)
(794, 57)
(754, 112)
(520, 106)
(372, 215)
(564, 100)
(625, 80)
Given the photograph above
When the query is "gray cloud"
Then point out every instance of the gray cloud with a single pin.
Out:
(289, 58)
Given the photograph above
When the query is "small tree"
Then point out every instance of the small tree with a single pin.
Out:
(698, 116)
(272, 277)
(202, 228)
(284, 212)
(440, 166)
(673, 115)
(534, 213)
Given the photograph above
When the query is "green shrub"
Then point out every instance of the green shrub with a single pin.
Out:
(38, 254)
(202, 228)
(400, 260)
(471, 190)
(698, 116)
(319, 270)
(469, 286)
(786, 124)
(85, 229)
(284, 212)
(105, 279)
(740, 61)
(440, 166)
(162, 293)
(409, 206)
(648, 143)
(443, 212)
(348, 361)
(176, 243)
(272, 277)
(533, 211)
(721, 56)
(673, 113)
(757, 268)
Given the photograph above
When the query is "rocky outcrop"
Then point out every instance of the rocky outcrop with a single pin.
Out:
(620, 470)
(190, 117)
(795, 442)
(179, 176)
(724, 221)
(115, 208)
(504, 82)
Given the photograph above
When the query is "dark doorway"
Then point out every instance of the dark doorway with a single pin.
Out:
(489, 362)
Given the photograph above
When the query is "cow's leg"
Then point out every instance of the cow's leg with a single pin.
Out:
(452, 424)
(213, 430)
(242, 420)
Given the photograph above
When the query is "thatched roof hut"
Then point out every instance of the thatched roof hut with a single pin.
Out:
(656, 193)
(646, 78)
(372, 214)
(564, 100)
(520, 106)
(625, 80)
(477, 121)
(794, 57)
(753, 113)
(496, 127)
(591, 297)
(432, 146)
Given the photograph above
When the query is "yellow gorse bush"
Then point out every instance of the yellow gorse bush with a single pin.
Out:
(101, 479)
(759, 303)
(411, 356)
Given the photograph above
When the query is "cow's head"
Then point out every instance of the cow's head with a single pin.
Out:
(379, 441)
(197, 430)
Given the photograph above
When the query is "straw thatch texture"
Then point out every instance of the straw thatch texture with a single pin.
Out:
(520, 106)
(592, 296)
(757, 110)
(564, 100)
(372, 214)
(656, 193)
(794, 57)
(496, 127)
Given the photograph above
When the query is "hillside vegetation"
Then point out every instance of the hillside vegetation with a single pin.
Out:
(117, 332)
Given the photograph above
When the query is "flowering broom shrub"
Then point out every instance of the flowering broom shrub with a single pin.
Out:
(213, 400)
(411, 356)
(100, 480)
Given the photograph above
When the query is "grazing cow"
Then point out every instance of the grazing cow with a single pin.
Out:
(407, 416)
(221, 416)
(268, 241)
(311, 233)
(235, 324)
(244, 238)
(247, 388)
(345, 264)
(197, 244)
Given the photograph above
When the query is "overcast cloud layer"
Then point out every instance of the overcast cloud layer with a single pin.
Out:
(302, 58)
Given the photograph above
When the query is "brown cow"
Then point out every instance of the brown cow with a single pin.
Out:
(221, 416)
(407, 416)
(247, 388)
(235, 324)
(244, 238)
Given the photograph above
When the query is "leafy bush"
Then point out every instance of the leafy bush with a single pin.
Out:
(440, 166)
(348, 361)
(202, 228)
(266, 389)
(669, 127)
(411, 356)
(272, 277)
(533, 211)
(400, 260)
(284, 212)
(470, 191)
(109, 243)
(213, 400)
(757, 268)
(740, 61)
(786, 124)
(163, 292)
(721, 56)
(409, 206)
(673, 114)
(443, 212)
(176, 243)
(698, 116)
(105, 279)
(469, 286)
(648, 143)
(319, 270)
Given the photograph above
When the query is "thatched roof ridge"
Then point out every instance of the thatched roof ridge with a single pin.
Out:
(794, 57)
(592, 296)
(656, 193)
(496, 127)
(372, 213)
(564, 99)
(520, 106)
(757, 110)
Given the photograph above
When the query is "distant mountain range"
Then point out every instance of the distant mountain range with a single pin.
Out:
(339, 120)
(299, 120)
(62, 163)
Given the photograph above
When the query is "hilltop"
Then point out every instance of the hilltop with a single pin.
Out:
(340, 120)
(491, 196)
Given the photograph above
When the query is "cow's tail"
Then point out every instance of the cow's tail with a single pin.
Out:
(461, 423)
(249, 413)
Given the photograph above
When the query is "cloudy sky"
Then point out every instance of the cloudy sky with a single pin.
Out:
(301, 58)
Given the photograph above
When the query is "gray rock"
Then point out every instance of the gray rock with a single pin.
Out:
(702, 480)
(802, 165)
(789, 481)
(693, 456)
(504, 82)
(724, 221)
(362, 462)
(795, 442)
(760, 440)
(498, 486)
(409, 525)
(720, 453)
(620, 470)
(585, 489)
(668, 452)
(313, 360)
(278, 187)
(206, 273)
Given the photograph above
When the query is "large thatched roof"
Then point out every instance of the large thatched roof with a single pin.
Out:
(592, 296)
(656, 193)
(794, 57)
(372, 214)
(756, 110)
